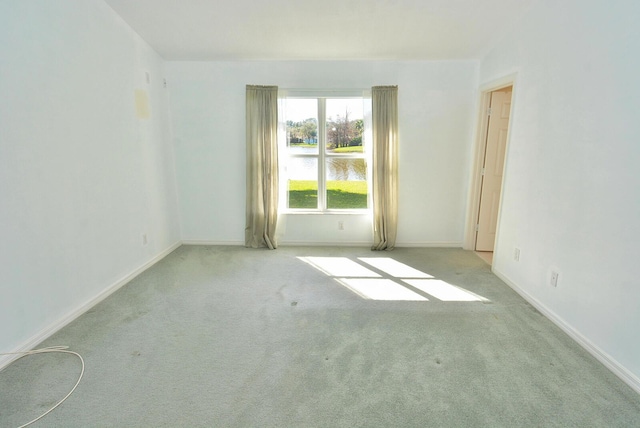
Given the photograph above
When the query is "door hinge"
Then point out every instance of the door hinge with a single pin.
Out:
(489, 111)
(482, 172)
(477, 227)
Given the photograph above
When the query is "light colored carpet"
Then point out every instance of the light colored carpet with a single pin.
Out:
(235, 337)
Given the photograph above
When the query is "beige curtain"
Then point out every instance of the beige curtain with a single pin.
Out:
(385, 166)
(262, 166)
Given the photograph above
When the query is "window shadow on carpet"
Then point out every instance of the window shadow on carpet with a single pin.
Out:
(383, 278)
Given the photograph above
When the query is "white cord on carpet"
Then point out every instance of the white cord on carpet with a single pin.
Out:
(60, 349)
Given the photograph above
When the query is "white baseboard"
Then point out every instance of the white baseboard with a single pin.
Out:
(47, 332)
(370, 243)
(325, 244)
(206, 242)
(285, 243)
(609, 362)
(429, 244)
(281, 243)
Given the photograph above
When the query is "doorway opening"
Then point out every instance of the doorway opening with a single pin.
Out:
(491, 149)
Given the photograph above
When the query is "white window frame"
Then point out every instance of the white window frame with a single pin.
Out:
(322, 155)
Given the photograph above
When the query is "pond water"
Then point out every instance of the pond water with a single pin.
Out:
(349, 169)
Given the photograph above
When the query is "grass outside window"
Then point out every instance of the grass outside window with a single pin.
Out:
(341, 194)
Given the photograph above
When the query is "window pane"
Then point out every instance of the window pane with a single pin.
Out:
(302, 125)
(302, 186)
(345, 124)
(346, 183)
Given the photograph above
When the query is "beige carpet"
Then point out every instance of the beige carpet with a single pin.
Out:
(234, 337)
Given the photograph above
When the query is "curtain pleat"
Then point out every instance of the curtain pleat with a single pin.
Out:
(262, 166)
(385, 166)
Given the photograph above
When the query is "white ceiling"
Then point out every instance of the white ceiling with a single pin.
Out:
(320, 29)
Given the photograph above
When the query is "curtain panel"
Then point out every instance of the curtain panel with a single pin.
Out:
(262, 166)
(385, 166)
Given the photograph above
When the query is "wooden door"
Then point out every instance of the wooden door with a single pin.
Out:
(495, 149)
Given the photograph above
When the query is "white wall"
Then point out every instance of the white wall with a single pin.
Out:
(81, 178)
(572, 188)
(436, 109)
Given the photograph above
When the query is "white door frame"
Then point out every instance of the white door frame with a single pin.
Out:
(475, 185)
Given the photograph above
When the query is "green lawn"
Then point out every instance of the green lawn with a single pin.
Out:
(351, 149)
(340, 194)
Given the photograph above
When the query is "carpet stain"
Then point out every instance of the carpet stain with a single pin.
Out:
(294, 303)
(134, 316)
(47, 404)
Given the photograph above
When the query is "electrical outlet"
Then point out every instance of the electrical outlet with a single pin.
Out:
(340, 225)
(554, 278)
(516, 254)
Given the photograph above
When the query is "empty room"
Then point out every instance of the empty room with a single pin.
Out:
(344, 213)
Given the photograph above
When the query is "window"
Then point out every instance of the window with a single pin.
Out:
(325, 160)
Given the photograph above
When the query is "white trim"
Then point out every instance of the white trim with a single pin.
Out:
(350, 212)
(321, 155)
(476, 168)
(609, 362)
(209, 242)
(326, 244)
(499, 83)
(429, 244)
(284, 243)
(74, 314)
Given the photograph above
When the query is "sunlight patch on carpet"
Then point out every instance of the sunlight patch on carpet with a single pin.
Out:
(340, 267)
(380, 289)
(444, 291)
(398, 281)
(394, 267)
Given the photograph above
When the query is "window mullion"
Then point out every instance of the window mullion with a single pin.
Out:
(348, 166)
(322, 144)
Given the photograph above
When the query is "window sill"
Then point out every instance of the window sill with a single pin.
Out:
(328, 212)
